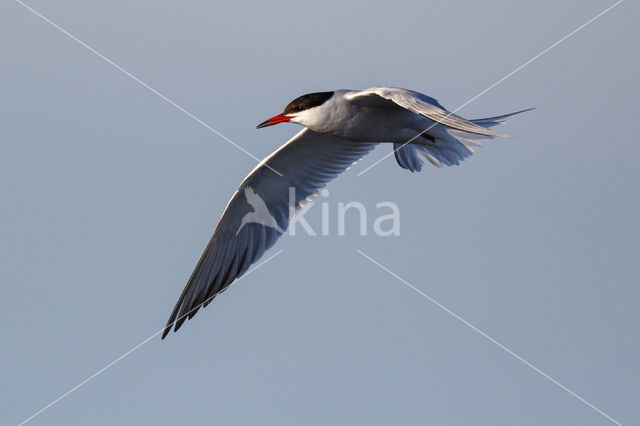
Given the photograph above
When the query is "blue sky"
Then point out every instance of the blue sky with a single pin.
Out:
(109, 195)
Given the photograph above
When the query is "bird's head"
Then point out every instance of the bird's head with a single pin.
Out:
(301, 110)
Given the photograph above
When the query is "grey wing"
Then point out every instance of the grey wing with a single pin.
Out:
(419, 104)
(307, 163)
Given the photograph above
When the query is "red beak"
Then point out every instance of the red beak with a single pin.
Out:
(274, 120)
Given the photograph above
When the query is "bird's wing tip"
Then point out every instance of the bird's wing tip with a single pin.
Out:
(167, 329)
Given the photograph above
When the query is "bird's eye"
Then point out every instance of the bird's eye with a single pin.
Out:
(298, 108)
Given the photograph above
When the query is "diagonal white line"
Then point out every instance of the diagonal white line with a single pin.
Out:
(137, 80)
(482, 333)
(497, 82)
(124, 355)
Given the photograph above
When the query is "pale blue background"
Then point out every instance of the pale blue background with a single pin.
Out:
(109, 194)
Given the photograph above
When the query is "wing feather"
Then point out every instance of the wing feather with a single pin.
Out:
(419, 104)
(307, 162)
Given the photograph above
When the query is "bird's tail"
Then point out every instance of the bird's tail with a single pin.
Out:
(449, 146)
(494, 121)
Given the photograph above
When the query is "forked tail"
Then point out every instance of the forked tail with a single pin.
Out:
(449, 146)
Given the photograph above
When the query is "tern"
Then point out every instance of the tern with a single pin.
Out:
(341, 127)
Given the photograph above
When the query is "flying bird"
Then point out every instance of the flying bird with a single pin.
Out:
(341, 127)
